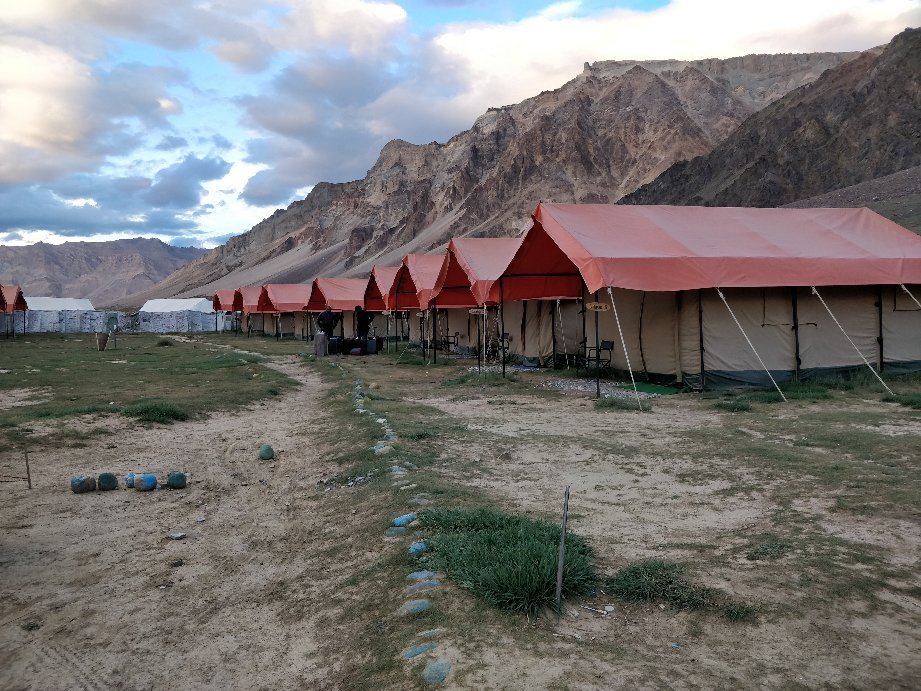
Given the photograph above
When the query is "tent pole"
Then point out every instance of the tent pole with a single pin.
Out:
(879, 338)
(865, 361)
(700, 330)
(479, 349)
(750, 345)
(502, 324)
(434, 327)
(799, 361)
(597, 354)
(623, 344)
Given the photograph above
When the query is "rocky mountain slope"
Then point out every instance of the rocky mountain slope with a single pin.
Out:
(896, 196)
(613, 128)
(858, 122)
(104, 272)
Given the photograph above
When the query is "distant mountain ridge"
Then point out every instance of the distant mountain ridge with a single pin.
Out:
(104, 272)
(613, 128)
(856, 123)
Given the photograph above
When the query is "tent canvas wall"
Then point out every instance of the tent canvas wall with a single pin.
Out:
(665, 265)
(288, 302)
(180, 315)
(377, 299)
(342, 295)
(253, 319)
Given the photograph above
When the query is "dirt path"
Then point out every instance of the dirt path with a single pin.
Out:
(94, 594)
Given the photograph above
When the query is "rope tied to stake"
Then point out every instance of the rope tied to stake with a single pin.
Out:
(623, 344)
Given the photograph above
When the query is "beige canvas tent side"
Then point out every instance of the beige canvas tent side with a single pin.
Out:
(714, 297)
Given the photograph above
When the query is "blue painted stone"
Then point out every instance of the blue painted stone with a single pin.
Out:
(431, 633)
(405, 519)
(394, 532)
(176, 479)
(420, 586)
(144, 482)
(418, 650)
(390, 436)
(82, 483)
(129, 480)
(421, 575)
(417, 548)
(436, 672)
(107, 481)
(413, 607)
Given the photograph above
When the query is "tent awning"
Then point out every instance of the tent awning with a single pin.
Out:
(414, 285)
(223, 301)
(341, 294)
(377, 293)
(284, 297)
(249, 299)
(12, 299)
(672, 248)
(472, 268)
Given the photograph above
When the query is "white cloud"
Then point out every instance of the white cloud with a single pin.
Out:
(360, 26)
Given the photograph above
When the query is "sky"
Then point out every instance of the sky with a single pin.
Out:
(192, 120)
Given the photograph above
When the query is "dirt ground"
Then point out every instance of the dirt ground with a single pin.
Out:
(279, 585)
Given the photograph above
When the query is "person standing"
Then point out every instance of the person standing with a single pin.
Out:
(326, 325)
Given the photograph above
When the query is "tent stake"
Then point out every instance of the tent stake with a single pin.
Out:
(28, 472)
(865, 361)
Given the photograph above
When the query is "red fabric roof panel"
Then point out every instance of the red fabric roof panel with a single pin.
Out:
(249, 298)
(473, 267)
(671, 248)
(284, 297)
(377, 293)
(414, 285)
(13, 301)
(339, 293)
(222, 301)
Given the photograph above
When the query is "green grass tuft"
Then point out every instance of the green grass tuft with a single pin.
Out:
(509, 561)
(156, 411)
(628, 404)
(770, 549)
(740, 612)
(912, 400)
(165, 342)
(733, 405)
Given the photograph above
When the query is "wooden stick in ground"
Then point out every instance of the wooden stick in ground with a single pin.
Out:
(28, 472)
(562, 558)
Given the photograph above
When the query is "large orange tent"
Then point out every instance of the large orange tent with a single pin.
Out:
(286, 301)
(223, 301)
(377, 298)
(713, 296)
(414, 288)
(12, 300)
(342, 295)
(248, 301)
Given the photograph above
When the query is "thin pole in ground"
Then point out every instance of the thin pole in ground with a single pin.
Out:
(28, 472)
(562, 558)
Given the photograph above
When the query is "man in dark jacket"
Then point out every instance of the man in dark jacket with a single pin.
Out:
(326, 323)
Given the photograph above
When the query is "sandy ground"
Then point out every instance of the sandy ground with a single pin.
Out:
(94, 594)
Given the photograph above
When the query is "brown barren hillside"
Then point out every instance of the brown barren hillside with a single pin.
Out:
(613, 128)
(857, 122)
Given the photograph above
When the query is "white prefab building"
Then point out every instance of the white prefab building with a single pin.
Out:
(67, 315)
(181, 315)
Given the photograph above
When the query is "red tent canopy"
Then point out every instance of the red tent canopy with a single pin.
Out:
(249, 299)
(339, 293)
(671, 248)
(12, 299)
(223, 301)
(414, 285)
(284, 297)
(377, 294)
(540, 270)
(472, 267)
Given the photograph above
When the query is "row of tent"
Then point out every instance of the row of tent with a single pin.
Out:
(702, 296)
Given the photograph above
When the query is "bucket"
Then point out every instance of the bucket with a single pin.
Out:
(144, 482)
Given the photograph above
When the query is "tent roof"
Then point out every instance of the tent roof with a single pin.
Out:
(223, 301)
(178, 305)
(472, 267)
(670, 248)
(339, 293)
(249, 298)
(414, 285)
(13, 301)
(57, 304)
(377, 293)
(284, 297)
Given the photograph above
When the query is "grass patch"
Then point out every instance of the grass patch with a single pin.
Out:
(508, 561)
(657, 580)
(733, 405)
(627, 404)
(912, 400)
(769, 549)
(162, 412)
(165, 343)
(480, 379)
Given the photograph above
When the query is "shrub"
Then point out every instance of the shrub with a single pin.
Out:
(628, 404)
(509, 561)
(165, 342)
(156, 411)
(734, 405)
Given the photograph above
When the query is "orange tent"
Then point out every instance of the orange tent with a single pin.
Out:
(249, 298)
(471, 270)
(223, 301)
(13, 301)
(341, 294)
(414, 285)
(377, 294)
(284, 297)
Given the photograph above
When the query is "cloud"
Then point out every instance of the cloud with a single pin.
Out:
(179, 186)
(170, 142)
